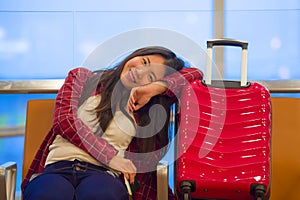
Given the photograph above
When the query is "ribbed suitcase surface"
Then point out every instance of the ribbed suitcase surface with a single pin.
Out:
(224, 141)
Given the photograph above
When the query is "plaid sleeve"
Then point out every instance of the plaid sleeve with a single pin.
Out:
(177, 80)
(69, 126)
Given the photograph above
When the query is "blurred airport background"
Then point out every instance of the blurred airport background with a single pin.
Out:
(44, 39)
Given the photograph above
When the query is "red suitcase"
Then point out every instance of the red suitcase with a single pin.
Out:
(224, 137)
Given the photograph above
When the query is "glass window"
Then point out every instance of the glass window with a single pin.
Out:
(35, 44)
(272, 29)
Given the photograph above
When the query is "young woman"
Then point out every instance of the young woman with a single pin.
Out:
(105, 132)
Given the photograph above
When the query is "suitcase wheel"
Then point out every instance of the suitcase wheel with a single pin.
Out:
(187, 187)
(259, 192)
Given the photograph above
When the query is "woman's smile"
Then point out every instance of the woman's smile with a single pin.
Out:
(130, 76)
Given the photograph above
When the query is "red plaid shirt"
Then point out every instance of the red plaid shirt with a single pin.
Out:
(67, 124)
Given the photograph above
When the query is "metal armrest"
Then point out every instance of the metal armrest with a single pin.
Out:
(8, 173)
(162, 180)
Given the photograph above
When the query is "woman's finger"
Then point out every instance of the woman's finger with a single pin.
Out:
(131, 178)
(130, 106)
(126, 175)
(132, 101)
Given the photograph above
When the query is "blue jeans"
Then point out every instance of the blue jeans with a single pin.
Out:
(68, 180)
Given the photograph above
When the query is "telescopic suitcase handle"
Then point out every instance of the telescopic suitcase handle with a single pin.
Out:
(226, 42)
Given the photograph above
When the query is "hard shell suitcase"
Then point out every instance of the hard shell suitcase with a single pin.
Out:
(224, 136)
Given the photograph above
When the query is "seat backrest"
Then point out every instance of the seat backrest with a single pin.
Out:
(285, 148)
(39, 116)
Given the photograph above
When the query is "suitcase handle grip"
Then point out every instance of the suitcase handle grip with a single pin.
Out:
(227, 42)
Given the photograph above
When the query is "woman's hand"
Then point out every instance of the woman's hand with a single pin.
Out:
(125, 166)
(141, 95)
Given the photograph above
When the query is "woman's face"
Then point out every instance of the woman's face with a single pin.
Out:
(142, 70)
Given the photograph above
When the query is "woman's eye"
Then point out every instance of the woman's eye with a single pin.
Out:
(144, 61)
(151, 79)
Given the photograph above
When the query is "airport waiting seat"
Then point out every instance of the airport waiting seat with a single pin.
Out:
(39, 117)
(38, 122)
(285, 148)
